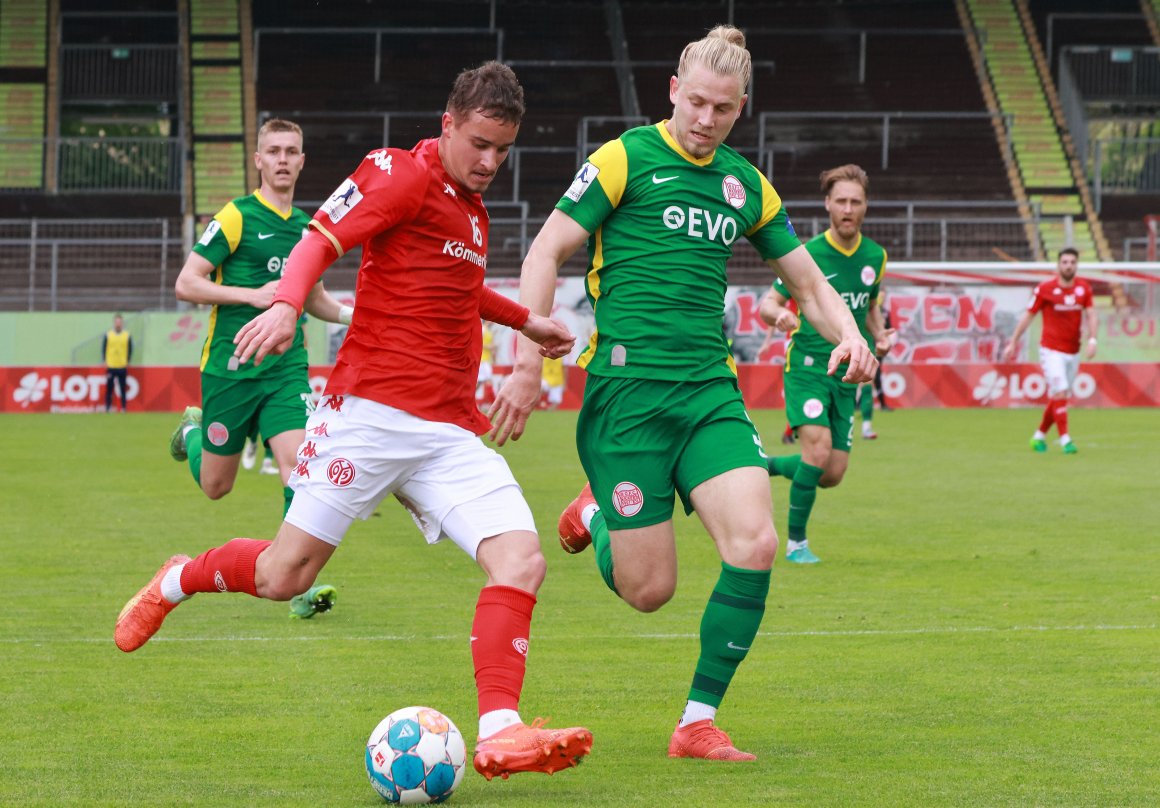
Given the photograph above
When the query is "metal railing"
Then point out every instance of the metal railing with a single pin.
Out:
(127, 72)
(880, 122)
(109, 165)
(1123, 165)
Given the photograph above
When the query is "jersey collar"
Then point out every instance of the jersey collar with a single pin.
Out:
(697, 161)
(834, 243)
(284, 216)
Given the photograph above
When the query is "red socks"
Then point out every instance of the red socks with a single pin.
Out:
(499, 645)
(1048, 417)
(229, 568)
(1059, 408)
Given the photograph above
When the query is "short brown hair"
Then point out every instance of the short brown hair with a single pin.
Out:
(491, 89)
(1069, 251)
(279, 125)
(846, 173)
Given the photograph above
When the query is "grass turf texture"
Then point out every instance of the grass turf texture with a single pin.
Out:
(982, 631)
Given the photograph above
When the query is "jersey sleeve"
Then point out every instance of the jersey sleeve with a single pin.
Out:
(1037, 301)
(387, 188)
(221, 236)
(1088, 298)
(773, 235)
(598, 186)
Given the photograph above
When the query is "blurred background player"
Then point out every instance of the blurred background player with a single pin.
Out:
(1063, 300)
(553, 381)
(399, 414)
(117, 348)
(867, 392)
(665, 417)
(235, 267)
(818, 406)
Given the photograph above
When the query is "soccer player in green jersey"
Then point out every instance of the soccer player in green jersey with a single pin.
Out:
(818, 404)
(235, 267)
(660, 208)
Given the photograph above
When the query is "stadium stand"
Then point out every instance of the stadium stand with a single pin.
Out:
(23, 45)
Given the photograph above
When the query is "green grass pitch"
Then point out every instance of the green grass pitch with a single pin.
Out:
(983, 630)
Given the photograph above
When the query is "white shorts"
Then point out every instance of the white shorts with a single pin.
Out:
(358, 451)
(1059, 370)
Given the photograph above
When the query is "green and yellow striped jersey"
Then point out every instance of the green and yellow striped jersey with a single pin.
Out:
(663, 224)
(855, 274)
(248, 242)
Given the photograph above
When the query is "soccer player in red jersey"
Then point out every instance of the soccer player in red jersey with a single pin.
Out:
(398, 415)
(1063, 301)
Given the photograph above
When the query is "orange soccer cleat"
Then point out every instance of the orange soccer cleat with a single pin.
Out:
(702, 739)
(145, 612)
(534, 748)
(574, 537)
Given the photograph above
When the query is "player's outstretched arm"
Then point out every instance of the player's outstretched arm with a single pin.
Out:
(194, 286)
(774, 313)
(557, 240)
(325, 306)
(828, 313)
(1020, 327)
(271, 332)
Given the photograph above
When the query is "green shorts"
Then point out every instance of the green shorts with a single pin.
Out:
(641, 440)
(232, 409)
(812, 397)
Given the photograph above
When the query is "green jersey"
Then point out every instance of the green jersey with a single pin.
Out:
(855, 274)
(663, 224)
(248, 242)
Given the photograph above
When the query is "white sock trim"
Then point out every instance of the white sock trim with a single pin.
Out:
(492, 722)
(697, 711)
(588, 514)
(171, 585)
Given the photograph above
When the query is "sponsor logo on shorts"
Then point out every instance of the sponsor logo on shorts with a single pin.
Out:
(335, 403)
(217, 433)
(302, 469)
(308, 449)
(627, 498)
(340, 472)
(813, 408)
(733, 191)
(868, 275)
(521, 646)
(319, 430)
(219, 581)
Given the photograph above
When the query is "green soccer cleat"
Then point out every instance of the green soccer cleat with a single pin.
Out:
(1039, 444)
(313, 601)
(1070, 448)
(191, 417)
(802, 555)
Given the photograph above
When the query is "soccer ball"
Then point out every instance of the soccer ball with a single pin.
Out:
(416, 755)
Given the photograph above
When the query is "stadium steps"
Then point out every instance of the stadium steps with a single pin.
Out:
(1023, 89)
(1003, 134)
(217, 102)
(23, 45)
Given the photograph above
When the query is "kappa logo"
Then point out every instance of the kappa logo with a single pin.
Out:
(447, 189)
(382, 160)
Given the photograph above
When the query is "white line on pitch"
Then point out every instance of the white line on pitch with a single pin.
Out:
(901, 632)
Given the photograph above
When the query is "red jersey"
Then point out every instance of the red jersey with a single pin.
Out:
(1062, 308)
(415, 340)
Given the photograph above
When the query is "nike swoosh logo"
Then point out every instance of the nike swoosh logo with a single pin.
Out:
(264, 236)
(736, 647)
(832, 276)
(658, 180)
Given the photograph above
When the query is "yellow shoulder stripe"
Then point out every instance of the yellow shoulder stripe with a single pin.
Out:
(612, 161)
(230, 219)
(770, 204)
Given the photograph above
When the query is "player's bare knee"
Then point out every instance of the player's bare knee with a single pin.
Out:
(215, 489)
(646, 597)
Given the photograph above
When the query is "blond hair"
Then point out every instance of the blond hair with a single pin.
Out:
(278, 125)
(847, 173)
(722, 50)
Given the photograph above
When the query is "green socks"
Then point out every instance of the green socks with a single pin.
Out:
(287, 497)
(193, 449)
(866, 402)
(728, 629)
(602, 544)
(784, 465)
(803, 490)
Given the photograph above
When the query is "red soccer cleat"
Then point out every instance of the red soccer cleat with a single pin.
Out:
(574, 537)
(702, 739)
(145, 612)
(524, 748)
